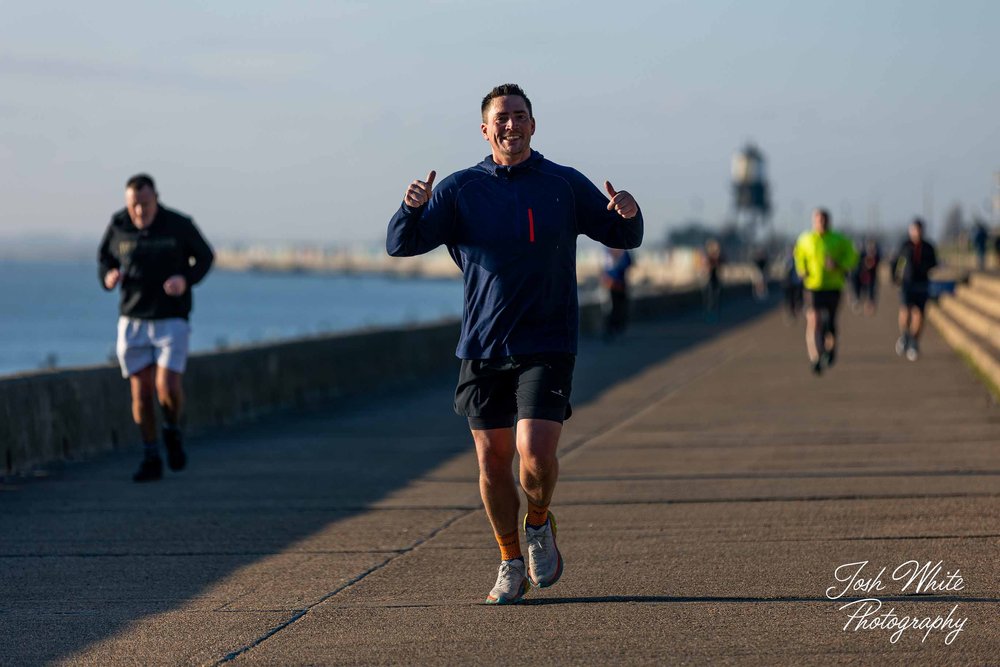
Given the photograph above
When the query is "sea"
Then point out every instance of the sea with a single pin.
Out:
(54, 314)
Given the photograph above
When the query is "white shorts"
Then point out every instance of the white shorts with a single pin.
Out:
(143, 343)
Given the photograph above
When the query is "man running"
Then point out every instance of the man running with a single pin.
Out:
(614, 281)
(712, 292)
(823, 258)
(156, 255)
(917, 258)
(511, 223)
(867, 271)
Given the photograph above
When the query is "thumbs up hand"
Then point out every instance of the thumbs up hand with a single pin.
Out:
(419, 192)
(621, 202)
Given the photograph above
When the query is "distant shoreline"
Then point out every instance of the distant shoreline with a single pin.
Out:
(265, 269)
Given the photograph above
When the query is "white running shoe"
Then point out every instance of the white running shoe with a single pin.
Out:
(912, 353)
(545, 563)
(901, 345)
(511, 584)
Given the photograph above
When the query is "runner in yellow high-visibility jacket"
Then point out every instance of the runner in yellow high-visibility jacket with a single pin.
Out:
(823, 258)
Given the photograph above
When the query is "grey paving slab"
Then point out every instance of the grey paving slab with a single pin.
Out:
(610, 630)
(712, 488)
(126, 635)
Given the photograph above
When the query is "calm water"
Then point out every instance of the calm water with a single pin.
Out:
(58, 311)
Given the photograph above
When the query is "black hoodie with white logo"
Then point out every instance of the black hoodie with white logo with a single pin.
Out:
(171, 245)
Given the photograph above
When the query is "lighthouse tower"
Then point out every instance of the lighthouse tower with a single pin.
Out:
(751, 192)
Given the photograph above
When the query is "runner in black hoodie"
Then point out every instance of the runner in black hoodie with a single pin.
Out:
(511, 224)
(156, 255)
(911, 268)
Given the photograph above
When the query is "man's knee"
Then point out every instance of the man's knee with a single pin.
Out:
(168, 386)
(143, 386)
(163, 391)
(538, 459)
(495, 452)
(491, 461)
(143, 398)
(538, 441)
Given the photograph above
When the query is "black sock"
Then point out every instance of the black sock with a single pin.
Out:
(171, 435)
(151, 449)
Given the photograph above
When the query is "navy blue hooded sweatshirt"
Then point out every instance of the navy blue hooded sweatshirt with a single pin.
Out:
(512, 230)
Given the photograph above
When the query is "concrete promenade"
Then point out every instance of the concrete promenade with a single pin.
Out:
(710, 488)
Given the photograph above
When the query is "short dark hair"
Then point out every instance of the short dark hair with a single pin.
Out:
(505, 89)
(918, 223)
(825, 214)
(139, 181)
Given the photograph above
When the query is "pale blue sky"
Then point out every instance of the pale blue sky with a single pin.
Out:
(306, 120)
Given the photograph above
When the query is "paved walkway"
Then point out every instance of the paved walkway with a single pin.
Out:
(711, 486)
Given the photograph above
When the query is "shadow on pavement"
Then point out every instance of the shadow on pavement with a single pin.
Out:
(85, 553)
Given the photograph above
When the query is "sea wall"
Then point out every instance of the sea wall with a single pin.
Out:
(72, 414)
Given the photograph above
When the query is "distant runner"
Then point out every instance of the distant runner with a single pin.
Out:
(791, 283)
(911, 270)
(614, 280)
(712, 291)
(156, 255)
(511, 224)
(823, 258)
(871, 257)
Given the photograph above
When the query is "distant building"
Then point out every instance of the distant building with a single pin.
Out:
(751, 190)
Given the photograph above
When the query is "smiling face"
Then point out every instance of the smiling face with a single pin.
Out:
(142, 205)
(508, 127)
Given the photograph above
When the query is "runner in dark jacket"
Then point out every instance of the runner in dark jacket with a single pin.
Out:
(154, 255)
(614, 282)
(911, 269)
(511, 224)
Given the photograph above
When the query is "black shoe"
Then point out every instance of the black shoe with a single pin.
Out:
(150, 470)
(176, 458)
(818, 367)
(831, 357)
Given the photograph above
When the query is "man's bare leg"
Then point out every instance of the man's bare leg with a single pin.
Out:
(537, 441)
(170, 393)
(143, 385)
(916, 322)
(143, 405)
(495, 451)
(914, 330)
(812, 347)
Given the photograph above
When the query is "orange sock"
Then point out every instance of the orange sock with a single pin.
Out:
(510, 545)
(537, 516)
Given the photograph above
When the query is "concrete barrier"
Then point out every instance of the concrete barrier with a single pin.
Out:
(72, 414)
(970, 322)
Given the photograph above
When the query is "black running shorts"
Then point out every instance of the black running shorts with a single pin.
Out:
(915, 296)
(495, 393)
(828, 300)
